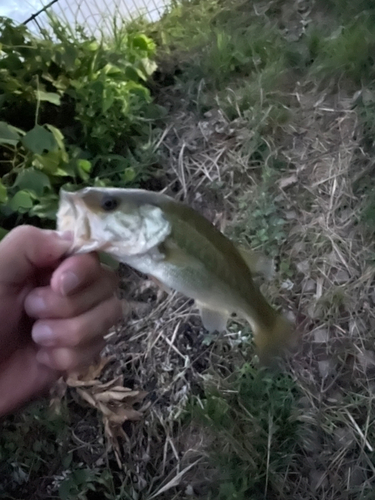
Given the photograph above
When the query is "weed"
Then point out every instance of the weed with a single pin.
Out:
(252, 417)
(261, 225)
(75, 111)
(36, 444)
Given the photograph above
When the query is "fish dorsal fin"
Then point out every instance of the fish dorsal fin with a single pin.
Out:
(259, 264)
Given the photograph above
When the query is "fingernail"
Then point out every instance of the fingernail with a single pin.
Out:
(68, 282)
(35, 304)
(43, 358)
(43, 335)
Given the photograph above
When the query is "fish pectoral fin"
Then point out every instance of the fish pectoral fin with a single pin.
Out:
(213, 320)
(259, 264)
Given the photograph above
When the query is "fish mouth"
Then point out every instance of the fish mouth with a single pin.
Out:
(73, 216)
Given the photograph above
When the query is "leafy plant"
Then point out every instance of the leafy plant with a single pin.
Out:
(261, 225)
(34, 445)
(73, 111)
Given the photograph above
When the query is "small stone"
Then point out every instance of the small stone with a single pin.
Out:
(303, 267)
(291, 215)
(342, 276)
(325, 368)
(321, 335)
(310, 286)
(366, 359)
(189, 490)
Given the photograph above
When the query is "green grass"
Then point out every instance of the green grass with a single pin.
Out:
(253, 419)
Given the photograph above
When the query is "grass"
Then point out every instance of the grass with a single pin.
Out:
(265, 139)
(262, 407)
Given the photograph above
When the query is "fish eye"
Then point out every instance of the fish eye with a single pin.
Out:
(109, 203)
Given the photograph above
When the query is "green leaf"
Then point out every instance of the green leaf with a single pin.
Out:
(46, 208)
(51, 97)
(129, 174)
(143, 42)
(155, 112)
(57, 134)
(69, 57)
(8, 134)
(3, 193)
(111, 70)
(140, 90)
(148, 66)
(39, 140)
(21, 202)
(65, 489)
(3, 232)
(81, 476)
(133, 73)
(67, 460)
(33, 180)
(84, 168)
(51, 163)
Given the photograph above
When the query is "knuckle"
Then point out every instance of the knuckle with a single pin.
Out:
(26, 232)
(114, 312)
(89, 262)
(75, 333)
(58, 307)
(110, 281)
(64, 359)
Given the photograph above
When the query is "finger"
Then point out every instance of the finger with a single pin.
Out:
(76, 273)
(44, 303)
(28, 248)
(80, 330)
(23, 378)
(67, 358)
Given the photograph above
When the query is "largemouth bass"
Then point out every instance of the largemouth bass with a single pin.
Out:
(180, 249)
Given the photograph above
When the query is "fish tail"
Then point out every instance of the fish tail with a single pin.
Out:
(274, 341)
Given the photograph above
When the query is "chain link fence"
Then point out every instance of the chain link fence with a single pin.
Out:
(96, 16)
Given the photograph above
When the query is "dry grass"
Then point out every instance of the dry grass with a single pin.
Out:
(332, 289)
(330, 296)
(329, 290)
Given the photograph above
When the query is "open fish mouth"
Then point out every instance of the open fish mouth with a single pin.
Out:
(73, 216)
(129, 229)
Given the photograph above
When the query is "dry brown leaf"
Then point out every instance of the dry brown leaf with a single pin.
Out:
(119, 415)
(86, 396)
(113, 382)
(57, 394)
(113, 400)
(131, 397)
(88, 377)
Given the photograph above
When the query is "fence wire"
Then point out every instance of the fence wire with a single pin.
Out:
(96, 16)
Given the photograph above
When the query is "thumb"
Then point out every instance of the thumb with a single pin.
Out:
(27, 248)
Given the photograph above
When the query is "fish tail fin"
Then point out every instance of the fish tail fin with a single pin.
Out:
(274, 341)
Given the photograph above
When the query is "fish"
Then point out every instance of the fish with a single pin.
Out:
(181, 250)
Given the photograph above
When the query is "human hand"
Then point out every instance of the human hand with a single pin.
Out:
(53, 312)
